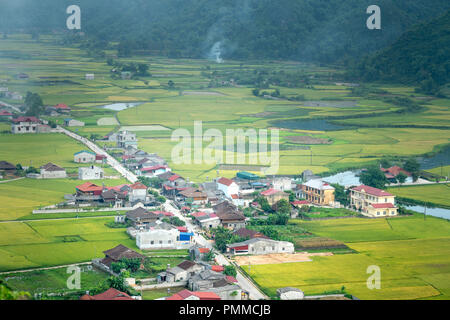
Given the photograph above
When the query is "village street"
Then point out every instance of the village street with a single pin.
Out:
(244, 282)
(95, 148)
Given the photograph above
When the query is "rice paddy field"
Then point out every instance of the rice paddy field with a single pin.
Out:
(438, 194)
(361, 129)
(412, 254)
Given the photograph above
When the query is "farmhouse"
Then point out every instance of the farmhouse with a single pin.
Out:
(206, 220)
(194, 295)
(318, 192)
(260, 246)
(126, 139)
(158, 236)
(89, 76)
(227, 186)
(182, 272)
(153, 171)
(52, 171)
(90, 173)
(88, 192)
(232, 220)
(250, 234)
(5, 115)
(373, 202)
(84, 156)
(224, 286)
(25, 125)
(60, 108)
(110, 294)
(119, 252)
(73, 123)
(7, 167)
(282, 183)
(392, 173)
(138, 192)
(198, 252)
(140, 217)
(273, 196)
(114, 197)
(193, 196)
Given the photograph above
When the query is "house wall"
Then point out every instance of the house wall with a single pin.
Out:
(212, 223)
(363, 200)
(228, 190)
(53, 174)
(381, 212)
(283, 184)
(157, 239)
(266, 247)
(138, 194)
(90, 174)
(24, 127)
(84, 158)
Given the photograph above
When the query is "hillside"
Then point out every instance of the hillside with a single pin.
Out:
(308, 30)
(419, 56)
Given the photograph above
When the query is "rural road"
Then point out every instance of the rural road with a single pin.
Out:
(109, 159)
(244, 282)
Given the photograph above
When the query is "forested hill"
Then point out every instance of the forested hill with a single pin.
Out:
(309, 30)
(421, 55)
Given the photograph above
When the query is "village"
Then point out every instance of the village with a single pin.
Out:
(215, 221)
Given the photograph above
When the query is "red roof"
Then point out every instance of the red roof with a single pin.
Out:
(225, 181)
(100, 157)
(395, 170)
(382, 205)
(270, 192)
(154, 168)
(372, 191)
(234, 196)
(5, 113)
(231, 279)
(217, 268)
(89, 187)
(174, 177)
(26, 119)
(198, 214)
(299, 202)
(203, 250)
(167, 214)
(182, 229)
(61, 106)
(110, 294)
(138, 185)
(184, 294)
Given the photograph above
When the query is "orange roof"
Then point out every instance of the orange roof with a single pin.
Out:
(89, 186)
(184, 294)
(225, 181)
(138, 185)
(110, 294)
(203, 250)
(217, 268)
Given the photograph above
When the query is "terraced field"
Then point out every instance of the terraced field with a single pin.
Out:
(412, 253)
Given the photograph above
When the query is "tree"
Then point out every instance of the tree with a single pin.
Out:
(282, 207)
(117, 283)
(7, 294)
(171, 84)
(413, 166)
(340, 194)
(230, 271)
(385, 163)
(401, 177)
(34, 104)
(222, 237)
(373, 177)
(142, 69)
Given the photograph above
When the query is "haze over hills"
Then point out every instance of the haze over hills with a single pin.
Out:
(421, 55)
(309, 30)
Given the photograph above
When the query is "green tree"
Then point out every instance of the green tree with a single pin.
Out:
(230, 270)
(373, 177)
(401, 177)
(34, 104)
(340, 194)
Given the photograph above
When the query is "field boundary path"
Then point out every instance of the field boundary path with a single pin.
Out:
(46, 268)
(109, 159)
(6, 181)
(244, 282)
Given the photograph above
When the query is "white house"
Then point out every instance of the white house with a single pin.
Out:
(52, 171)
(138, 192)
(25, 125)
(153, 171)
(282, 183)
(260, 246)
(84, 156)
(73, 123)
(90, 76)
(126, 138)
(90, 173)
(227, 186)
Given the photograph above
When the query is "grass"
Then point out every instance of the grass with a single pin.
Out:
(47, 243)
(160, 293)
(437, 194)
(413, 256)
(20, 197)
(53, 281)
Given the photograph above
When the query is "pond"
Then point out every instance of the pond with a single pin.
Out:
(435, 212)
(120, 106)
(438, 160)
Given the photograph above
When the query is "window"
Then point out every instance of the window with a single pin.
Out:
(152, 242)
(160, 242)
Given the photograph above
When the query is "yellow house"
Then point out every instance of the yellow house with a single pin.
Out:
(373, 202)
(318, 192)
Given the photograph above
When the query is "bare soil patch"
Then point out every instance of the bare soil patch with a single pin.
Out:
(309, 140)
(276, 258)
